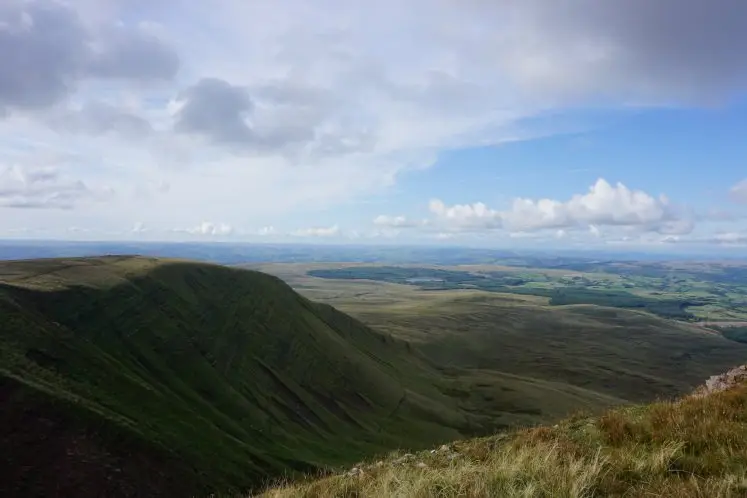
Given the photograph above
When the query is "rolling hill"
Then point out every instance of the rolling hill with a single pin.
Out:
(131, 376)
(128, 376)
(215, 378)
(629, 354)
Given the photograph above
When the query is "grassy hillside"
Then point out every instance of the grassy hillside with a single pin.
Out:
(692, 447)
(630, 355)
(124, 376)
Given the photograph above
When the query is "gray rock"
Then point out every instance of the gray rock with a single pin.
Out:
(728, 380)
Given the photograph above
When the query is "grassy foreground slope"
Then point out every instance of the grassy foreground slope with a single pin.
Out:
(692, 447)
(124, 376)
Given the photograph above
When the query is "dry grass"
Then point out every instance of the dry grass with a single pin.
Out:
(693, 447)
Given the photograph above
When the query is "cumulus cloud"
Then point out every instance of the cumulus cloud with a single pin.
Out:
(317, 232)
(603, 205)
(42, 188)
(466, 216)
(209, 228)
(739, 191)
(283, 118)
(53, 51)
(217, 110)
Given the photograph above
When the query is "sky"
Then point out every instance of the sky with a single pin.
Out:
(497, 123)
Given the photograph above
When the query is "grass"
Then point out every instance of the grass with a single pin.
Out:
(691, 447)
(182, 378)
(713, 292)
(213, 378)
(628, 355)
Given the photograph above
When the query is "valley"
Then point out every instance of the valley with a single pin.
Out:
(631, 354)
(182, 377)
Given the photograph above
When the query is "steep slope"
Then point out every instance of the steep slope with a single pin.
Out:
(126, 376)
(695, 446)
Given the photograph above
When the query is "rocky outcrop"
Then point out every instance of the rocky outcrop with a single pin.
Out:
(734, 377)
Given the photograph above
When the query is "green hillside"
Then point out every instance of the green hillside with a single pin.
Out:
(125, 374)
(128, 376)
(228, 372)
(692, 447)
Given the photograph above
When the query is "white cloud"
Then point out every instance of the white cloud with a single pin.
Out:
(384, 233)
(739, 191)
(730, 238)
(238, 106)
(43, 188)
(466, 216)
(139, 227)
(317, 232)
(268, 230)
(603, 205)
(525, 235)
(209, 228)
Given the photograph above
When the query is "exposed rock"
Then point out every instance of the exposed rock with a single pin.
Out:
(403, 459)
(355, 471)
(421, 465)
(728, 380)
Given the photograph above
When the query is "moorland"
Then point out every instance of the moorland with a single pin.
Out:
(121, 374)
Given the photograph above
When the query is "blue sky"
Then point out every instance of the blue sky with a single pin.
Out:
(570, 123)
(692, 155)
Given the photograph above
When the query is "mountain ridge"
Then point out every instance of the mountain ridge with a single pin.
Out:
(131, 376)
(233, 370)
